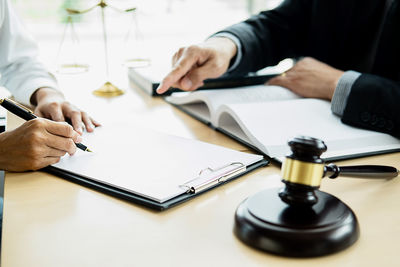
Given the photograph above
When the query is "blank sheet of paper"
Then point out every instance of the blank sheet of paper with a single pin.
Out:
(145, 162)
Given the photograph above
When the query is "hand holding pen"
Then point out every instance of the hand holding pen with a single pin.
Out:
(35, 144)
(26, 114)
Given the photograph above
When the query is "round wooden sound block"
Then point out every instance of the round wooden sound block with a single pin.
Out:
(265, 222)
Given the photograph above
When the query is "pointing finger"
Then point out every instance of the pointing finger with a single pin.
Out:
(178, 72)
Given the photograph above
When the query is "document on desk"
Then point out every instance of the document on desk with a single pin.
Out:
(264, 117)
(154, 166)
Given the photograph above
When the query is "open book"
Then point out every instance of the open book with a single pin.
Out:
(266, 117)
(152, 168)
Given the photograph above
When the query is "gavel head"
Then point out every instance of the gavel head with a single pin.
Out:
(302, 171)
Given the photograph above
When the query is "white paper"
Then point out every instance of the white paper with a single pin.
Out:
(145, 162)
(269, 126)
(204, 103)
(268, 116)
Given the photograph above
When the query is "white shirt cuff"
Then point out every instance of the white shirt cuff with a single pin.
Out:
(24, 94)
(342, 91)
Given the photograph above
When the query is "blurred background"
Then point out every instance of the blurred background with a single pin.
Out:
(155, 29)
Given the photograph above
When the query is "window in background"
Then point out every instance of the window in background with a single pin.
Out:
(157, 26)
(176, 22)
(154, 16)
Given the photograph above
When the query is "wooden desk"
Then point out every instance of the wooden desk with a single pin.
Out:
(52, 222)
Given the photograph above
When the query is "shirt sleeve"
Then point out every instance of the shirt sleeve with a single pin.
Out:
(342, 91)
(236, 60)
(21, 72)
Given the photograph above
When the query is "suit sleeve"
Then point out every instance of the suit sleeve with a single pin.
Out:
(273, 35)
(373, 104)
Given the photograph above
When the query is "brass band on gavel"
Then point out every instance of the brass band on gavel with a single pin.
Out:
(301, 172)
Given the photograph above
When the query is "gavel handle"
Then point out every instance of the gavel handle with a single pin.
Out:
(361, 171)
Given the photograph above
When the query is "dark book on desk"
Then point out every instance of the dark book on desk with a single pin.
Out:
(266, 117)
(148, 78)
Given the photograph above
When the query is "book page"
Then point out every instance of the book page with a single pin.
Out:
(211, 100)
(269, 126)
(145, 162)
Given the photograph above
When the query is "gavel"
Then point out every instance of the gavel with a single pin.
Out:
(299, 220)
(303, 170)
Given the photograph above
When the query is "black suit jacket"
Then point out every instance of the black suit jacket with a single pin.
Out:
(340, 33)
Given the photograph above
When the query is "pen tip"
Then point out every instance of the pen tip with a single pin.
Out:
(88, 150)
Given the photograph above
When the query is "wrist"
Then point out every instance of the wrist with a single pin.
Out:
(46, 94)
(225, 44)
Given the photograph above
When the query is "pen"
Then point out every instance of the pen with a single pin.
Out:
(26, 114)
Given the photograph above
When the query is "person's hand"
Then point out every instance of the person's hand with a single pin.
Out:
(309, 78)
(193, 64)
(36, 144)
(51, 104)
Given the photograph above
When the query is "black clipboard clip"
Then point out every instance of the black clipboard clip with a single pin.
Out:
(209, 177)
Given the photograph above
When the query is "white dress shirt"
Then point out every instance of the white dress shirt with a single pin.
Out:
(21, 73)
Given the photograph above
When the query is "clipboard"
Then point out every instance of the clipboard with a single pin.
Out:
(154, 169)
(195, 187)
